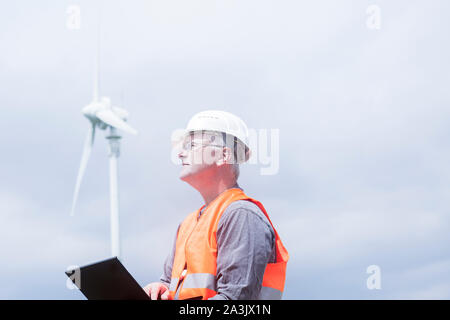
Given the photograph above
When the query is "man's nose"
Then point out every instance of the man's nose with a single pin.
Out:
(182, 154)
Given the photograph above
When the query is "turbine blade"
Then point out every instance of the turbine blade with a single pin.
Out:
(84, 160)
(96, 80)
(97, 61)
(110, 118)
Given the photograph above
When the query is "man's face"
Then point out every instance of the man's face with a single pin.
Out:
(199, 156)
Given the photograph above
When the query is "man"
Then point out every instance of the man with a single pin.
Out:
(227, 249)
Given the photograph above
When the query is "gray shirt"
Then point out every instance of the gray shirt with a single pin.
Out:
(245, 244)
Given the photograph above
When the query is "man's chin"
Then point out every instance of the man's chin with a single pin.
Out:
(185, 174)
(189, 173)
(183, 177)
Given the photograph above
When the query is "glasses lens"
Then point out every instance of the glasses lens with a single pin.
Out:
(189, 145)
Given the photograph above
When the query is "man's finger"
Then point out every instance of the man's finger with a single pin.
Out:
(165, 295)
(155, 292)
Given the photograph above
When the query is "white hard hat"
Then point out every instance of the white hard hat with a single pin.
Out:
(221, 121)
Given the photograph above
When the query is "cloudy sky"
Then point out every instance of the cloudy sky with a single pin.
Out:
(359, 91)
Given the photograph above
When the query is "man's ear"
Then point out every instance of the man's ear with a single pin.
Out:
(226, 158)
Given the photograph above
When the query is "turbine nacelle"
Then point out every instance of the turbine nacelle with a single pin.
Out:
(91, 109)
(103, 114)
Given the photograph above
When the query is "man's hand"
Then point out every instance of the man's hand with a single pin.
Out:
(157, 291)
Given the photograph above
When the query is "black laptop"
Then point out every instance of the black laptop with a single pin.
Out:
(107, 280)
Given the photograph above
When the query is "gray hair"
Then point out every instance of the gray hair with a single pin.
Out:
(236, 170)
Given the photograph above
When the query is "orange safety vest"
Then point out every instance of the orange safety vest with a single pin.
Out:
(194, 266)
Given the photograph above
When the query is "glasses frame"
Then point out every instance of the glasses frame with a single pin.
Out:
(191, 148)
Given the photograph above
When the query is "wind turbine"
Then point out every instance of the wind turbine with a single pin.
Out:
(102, 115)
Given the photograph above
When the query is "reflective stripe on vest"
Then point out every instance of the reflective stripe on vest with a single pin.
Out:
(268, 293)
(173, 284)
(193, 281)
(206, 280)
(196, 253)
(200, 280)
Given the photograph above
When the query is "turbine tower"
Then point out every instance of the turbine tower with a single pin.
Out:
(104, 116)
